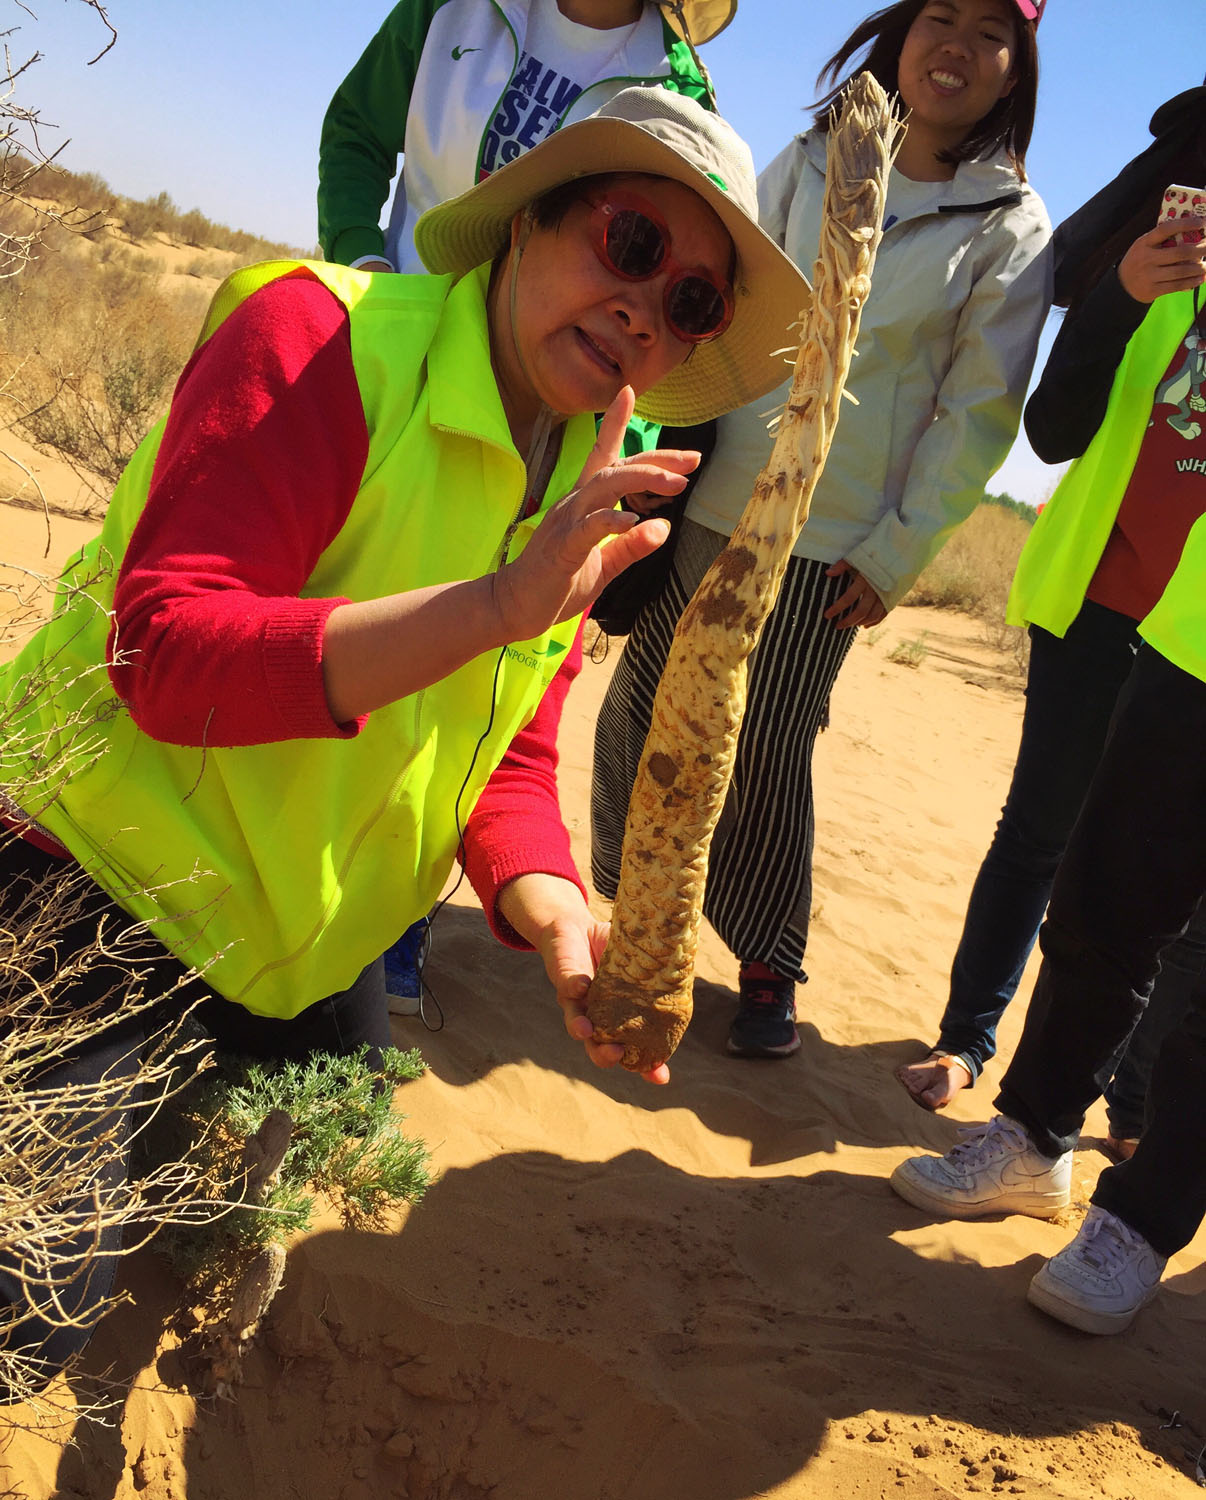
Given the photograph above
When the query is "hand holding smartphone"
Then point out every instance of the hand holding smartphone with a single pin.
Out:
(1171, 256)
(1181, 203)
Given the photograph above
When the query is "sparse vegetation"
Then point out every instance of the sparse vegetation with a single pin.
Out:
(973, 572)
(89, 351)
(344, 1143)
(97, 207)
(94, 333)
(275, 1137)
(1019, 508)
(89, 344)
(909, 653)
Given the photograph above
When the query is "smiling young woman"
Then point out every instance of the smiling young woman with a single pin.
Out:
(985, 56)
(956, 65)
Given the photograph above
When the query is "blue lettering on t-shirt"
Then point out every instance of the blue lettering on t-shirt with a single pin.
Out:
(531, 132)
(547, 79)
(567, 92)
(511, 112)
(527, 74)
(529, 111)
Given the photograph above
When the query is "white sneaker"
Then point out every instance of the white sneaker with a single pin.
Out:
(995, 1169)
(1101, 1280)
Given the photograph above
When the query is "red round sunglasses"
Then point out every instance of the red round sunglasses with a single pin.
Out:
(631, 240)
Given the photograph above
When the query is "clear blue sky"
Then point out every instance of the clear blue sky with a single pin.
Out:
(220, 103)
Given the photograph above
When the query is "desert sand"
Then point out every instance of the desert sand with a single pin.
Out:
(701, 1292)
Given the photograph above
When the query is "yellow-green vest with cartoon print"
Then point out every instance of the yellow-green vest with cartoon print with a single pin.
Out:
(1063, 549)
(281, 870)
(1177, 625)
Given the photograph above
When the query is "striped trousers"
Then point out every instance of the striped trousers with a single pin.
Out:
(759, 889)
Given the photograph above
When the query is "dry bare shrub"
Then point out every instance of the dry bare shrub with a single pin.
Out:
(23, 162)
(66, 1196)
(973, 574)
(159, 215)
(142, 218)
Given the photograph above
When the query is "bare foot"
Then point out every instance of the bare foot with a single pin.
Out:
(935, 1080)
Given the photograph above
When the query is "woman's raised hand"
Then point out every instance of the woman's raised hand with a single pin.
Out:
(562, 569)
(1150, 268)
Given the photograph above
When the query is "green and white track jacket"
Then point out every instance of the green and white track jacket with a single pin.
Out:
(428, 88)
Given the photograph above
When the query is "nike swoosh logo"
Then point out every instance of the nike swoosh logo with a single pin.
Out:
(459, 52)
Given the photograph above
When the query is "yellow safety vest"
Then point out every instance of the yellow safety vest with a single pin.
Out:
(281, 870)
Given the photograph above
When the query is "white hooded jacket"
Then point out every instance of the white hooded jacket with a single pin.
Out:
(960, 290)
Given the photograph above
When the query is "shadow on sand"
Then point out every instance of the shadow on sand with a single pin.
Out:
(670, 1337)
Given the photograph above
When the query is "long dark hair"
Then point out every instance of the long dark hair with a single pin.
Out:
(1007, 125)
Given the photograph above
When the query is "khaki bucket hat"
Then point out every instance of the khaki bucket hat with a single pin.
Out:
(661, 134)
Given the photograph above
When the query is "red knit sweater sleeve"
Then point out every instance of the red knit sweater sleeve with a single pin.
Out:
(261, 459)
(516, 827)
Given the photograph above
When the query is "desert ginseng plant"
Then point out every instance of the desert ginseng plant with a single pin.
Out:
(641, 996)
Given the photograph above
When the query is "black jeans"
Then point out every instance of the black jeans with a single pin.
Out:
(1071, 690)
(1130, 881)
(87, 1264)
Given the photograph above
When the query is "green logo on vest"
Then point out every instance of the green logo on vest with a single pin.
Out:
(459, 52)
(537, 658)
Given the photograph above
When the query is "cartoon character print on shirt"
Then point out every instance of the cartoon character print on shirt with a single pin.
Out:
(532, 107)
(1182, 389)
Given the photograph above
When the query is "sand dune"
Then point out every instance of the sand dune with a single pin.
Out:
(703, 1292)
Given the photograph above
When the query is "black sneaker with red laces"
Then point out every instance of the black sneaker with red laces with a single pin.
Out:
(765, 1023)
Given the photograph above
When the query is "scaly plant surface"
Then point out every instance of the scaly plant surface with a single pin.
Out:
(641, 995)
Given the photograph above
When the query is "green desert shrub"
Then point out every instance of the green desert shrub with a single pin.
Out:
(346, 1144)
